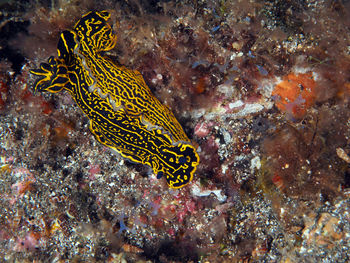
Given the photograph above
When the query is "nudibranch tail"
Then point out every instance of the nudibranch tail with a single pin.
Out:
(124, 114)
(181, 162)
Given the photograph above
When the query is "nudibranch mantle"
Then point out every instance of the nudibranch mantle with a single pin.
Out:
(124, 114)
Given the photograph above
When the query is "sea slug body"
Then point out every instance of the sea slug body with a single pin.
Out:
(124, 115)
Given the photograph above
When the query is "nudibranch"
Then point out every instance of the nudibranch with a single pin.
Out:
(124, 115)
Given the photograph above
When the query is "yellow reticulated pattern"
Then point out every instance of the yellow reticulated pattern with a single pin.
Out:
(124, 115)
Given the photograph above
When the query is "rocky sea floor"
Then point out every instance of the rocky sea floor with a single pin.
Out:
(260, 87)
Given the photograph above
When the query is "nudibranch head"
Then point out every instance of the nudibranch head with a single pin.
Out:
(66, 46)
(94, 33)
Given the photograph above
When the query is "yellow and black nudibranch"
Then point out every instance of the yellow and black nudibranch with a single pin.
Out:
(124, 115)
